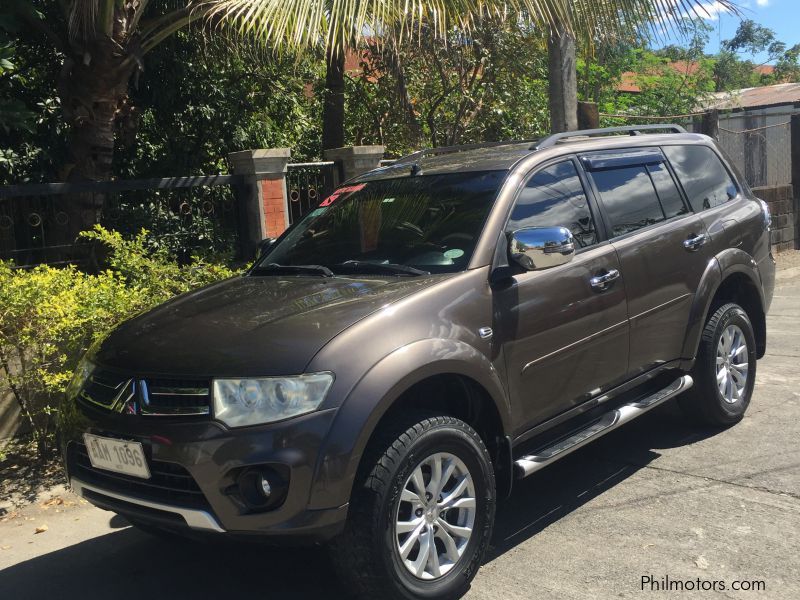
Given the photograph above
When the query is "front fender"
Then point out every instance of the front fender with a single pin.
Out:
(719, 268)
(375, 393)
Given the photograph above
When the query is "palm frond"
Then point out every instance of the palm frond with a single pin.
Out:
(82, 19)
(299, 23)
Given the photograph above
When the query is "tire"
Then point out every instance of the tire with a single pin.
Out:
(706, 402)
(367, 555)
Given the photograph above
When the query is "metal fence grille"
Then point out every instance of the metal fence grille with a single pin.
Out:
(307, 184)
(186, 215)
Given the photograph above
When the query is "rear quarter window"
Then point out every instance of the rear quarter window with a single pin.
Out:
(705, 179)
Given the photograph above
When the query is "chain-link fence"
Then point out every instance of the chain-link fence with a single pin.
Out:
(760, 145)
(758, 142)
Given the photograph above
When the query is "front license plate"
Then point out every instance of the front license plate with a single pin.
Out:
(116, 455)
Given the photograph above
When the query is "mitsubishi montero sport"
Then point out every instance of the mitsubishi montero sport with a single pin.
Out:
(432, 331)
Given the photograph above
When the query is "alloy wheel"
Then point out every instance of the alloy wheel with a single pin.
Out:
(732, 364)
(435, 516)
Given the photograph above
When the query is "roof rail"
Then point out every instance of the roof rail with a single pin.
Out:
(552, 140)
(461, 148)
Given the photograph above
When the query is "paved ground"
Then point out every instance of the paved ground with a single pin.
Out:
(657, 498)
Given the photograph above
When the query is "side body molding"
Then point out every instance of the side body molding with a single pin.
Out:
(375, 393)
(722, 266)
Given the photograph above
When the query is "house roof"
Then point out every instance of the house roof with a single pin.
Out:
(757, 97)
(629, 79)
(629, 83)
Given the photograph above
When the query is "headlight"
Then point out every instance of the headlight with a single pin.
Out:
(240, 402)
(82, 373)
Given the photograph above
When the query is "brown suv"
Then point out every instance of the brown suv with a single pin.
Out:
(432, 331)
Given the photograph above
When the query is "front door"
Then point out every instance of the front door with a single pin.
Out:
(662, 248)
(564, 339)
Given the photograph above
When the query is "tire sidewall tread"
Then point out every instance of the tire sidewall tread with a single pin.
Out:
(364, 555)
(704, 401)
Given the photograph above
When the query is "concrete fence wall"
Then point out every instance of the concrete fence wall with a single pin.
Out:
(783, 207)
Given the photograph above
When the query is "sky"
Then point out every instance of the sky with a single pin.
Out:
(782, 16)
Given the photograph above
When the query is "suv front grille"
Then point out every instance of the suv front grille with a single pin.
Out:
(162, 397)
(169, 483)
(148, 397)
(105, 388)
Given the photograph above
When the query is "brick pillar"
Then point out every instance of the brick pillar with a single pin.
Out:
(262, 206)
(354, 160)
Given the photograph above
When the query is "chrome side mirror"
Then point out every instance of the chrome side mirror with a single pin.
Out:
(536, 248)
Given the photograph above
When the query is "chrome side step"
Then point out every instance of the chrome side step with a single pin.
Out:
(529, 464)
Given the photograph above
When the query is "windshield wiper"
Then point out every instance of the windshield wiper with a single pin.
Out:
(382, 267)
(276, 268)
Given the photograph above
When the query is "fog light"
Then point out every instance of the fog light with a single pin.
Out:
(266, 488)
(262, 488)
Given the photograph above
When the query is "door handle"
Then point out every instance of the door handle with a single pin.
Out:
(604, 281)
(694, 242)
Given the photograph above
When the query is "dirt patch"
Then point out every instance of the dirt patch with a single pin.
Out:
(788, 259)
(24, 476)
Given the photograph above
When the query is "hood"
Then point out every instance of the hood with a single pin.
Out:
(248, 326)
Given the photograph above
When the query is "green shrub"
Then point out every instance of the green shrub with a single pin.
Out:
(49, 317)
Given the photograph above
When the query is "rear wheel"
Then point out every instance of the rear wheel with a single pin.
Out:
(725, 369)
(421, 514)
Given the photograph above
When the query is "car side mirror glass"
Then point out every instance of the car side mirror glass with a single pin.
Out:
(536, 248)
(264, 246)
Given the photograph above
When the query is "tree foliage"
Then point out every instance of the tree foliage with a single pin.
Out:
(491, 85)
(731, 71)
(487, 85)
(222, 100)
(49, 317)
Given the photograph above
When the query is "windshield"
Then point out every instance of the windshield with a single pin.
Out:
(403, 226)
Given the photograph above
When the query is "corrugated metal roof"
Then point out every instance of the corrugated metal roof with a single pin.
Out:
(768, 95)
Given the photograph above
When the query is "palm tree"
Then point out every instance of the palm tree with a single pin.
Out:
(105, 42)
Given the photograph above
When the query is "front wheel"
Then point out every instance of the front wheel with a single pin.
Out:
(422, 512)
(725, 369)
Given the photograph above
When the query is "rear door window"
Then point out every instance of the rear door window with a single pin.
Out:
(668, 193)
(704, 178)
(629, 198)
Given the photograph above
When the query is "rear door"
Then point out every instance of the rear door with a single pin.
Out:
(661, 244)
(710, 189)
(564, 340)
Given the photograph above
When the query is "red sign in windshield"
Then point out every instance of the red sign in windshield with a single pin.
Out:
(346, 190)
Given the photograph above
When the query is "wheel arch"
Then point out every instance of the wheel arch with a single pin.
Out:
(462, 381)
(732, 276)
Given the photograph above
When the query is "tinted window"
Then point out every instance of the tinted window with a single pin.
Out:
(629, 198)
(555, 197)
(431, 222)
(704, 178)
(671, 200)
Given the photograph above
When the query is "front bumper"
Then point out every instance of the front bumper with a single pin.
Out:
(194, 467)
(199, 520)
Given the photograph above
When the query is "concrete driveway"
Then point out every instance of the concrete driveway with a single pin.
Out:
(657, 499)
